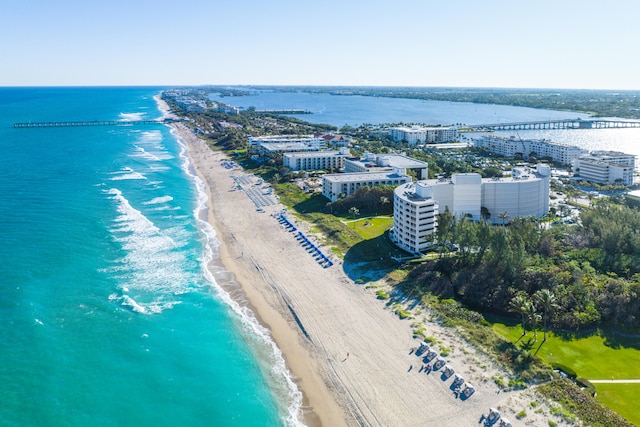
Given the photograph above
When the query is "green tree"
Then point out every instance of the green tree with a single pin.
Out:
(534, 319)
(384, 200)
(354, 211)
(547, 302)
(520, 304)
(503, 216)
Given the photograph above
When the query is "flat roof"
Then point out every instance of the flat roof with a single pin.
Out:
(316, 154)
(287, 146)
(272, 138)
(395, 160)
(362, 176)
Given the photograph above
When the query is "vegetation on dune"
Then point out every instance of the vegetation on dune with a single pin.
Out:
(574, 401)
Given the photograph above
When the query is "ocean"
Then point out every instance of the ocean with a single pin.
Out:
(110, 314)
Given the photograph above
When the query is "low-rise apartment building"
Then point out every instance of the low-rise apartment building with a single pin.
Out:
(606, 167)
(371, 162)
(540, 148)
(336, 186)
(316, 160)
(423, 135)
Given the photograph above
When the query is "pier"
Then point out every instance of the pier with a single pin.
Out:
(64, 124)
(560, 124)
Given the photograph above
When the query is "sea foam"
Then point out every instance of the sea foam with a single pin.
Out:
(131, 116)
(126, 173)
(153, 267)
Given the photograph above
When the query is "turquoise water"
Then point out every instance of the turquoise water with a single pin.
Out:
(109, 316)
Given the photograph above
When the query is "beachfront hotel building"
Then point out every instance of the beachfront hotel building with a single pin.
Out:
(338, 185)
(525, 193)
(605, 167)
(510, 147)
(422, 135)
(316, 160)
(371, 162)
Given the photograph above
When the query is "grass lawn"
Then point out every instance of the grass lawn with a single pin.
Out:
(592, 356)
(587, 354)
(369, 228)
(622, 398)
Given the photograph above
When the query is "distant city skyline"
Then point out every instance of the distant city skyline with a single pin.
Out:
(458, 43)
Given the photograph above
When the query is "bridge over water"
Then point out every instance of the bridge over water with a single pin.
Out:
(560, 124)
(80, 123)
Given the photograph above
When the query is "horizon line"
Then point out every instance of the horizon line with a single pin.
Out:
(311, 86)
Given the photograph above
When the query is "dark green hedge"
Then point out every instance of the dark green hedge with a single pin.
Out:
(564, 368)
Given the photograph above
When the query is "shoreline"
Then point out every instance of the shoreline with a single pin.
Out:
(348, 353)
(231, 259)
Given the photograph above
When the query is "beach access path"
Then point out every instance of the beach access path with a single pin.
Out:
(350, 356)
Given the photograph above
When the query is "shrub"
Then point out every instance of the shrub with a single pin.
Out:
(586, 385)
(382, 294)
(576, 402)
(444, 351)
(419, 332)
(567, 370)
(401, 311)
(517, 384)
(520, 415)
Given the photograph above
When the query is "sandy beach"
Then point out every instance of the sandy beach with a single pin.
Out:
(350, 355)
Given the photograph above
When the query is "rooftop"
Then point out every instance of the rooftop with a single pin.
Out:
(394, 160)
(316, 154)
(364, 176)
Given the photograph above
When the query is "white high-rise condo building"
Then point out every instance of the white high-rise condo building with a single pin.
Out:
(415, 214)
(525, 193)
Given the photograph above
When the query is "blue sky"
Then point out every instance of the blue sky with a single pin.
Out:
(491, 43)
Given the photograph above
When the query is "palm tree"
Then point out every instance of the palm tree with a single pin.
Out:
(547, 302)
(383, 201)
(534, 319)
(354, 212)
(520, 304)
(503, 216)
